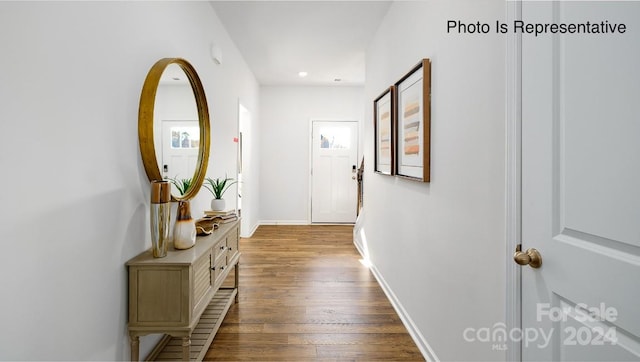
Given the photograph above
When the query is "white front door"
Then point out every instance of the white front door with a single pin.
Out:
(581, 184)
(333, 172)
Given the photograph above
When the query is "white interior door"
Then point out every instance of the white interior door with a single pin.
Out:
(245, 180)
(580, 189)
(333, 172)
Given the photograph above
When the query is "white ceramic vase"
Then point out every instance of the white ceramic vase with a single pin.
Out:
(184, 231)
(217, 204)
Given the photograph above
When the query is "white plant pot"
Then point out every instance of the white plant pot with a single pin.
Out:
(217, 204)
(184, 234)
(184, 230)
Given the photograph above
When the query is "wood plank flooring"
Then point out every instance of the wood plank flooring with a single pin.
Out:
(304, 296)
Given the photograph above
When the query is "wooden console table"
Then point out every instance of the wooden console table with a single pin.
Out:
(182, 295)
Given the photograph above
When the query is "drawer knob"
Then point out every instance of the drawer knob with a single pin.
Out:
(213, 268)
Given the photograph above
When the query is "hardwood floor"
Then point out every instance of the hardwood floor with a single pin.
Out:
(304, 296)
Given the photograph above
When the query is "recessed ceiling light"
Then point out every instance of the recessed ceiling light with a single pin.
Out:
(302, 74)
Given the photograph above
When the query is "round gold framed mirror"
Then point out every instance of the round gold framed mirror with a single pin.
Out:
(148, 127)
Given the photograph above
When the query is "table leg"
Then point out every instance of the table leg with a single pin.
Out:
(236, 280)
(186, 348)
(135, 348)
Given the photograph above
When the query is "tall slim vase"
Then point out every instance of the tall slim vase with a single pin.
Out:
(184, 231)
(160, 217)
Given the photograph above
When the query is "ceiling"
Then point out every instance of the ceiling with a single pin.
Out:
(326, 39)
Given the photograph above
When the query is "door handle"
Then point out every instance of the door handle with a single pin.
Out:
(530, 257)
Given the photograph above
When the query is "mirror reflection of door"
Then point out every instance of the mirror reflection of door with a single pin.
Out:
(180, 142)
(176, 129)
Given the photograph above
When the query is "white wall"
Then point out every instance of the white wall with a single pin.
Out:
(286, 114)
(440, 246)
(75, 195)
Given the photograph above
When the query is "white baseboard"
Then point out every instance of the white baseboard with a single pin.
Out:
(418, 338)
(332, 223)
(253, 230)
(359, 248)
(284, 222)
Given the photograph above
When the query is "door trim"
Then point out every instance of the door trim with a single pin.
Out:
(311, 120)
(513, 197)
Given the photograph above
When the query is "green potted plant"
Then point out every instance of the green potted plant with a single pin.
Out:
(218, 187)
(182, 185)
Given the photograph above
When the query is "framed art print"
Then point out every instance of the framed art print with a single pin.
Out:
(413, 122)
(384, 115)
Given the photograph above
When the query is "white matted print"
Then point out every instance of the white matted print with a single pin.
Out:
(384, 136)
(413, 123)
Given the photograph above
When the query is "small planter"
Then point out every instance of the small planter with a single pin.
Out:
(217, 204)
(217, 187)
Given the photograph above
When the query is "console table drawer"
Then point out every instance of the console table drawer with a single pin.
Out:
(219, 272)
(232, 244)
(220, 251)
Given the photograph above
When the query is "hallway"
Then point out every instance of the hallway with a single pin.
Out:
(304, 296)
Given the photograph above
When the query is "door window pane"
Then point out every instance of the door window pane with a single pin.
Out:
(335, 137)
(185, 137)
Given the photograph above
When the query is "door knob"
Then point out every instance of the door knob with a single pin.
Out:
(530, 257)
